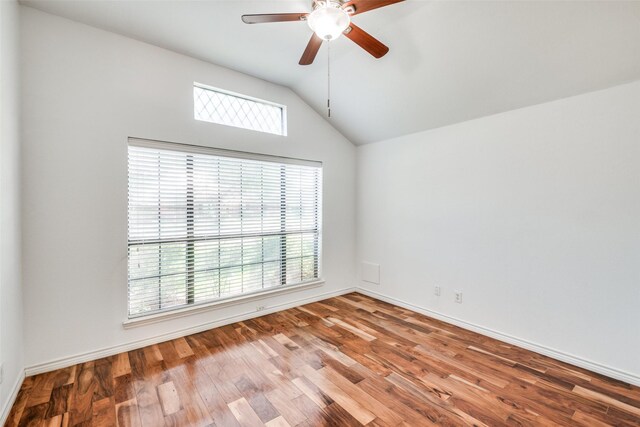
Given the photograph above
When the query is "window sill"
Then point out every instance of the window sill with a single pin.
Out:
(188, 311)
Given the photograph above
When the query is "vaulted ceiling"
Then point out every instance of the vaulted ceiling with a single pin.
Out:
(449, 61)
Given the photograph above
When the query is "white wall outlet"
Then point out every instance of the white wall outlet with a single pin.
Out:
(260, 307)
(458, 298)
(1, 372)
(437, 291)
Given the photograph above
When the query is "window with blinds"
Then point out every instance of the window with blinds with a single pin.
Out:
(206, 224)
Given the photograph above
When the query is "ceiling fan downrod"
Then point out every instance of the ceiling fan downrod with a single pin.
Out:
(329, 80)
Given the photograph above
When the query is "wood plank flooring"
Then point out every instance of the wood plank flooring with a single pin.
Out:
(345, 361)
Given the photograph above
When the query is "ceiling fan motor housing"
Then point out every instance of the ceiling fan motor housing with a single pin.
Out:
(328, 19)
(323, 3)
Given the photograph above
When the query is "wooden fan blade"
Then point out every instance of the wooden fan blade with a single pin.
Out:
(366, 41)
(311, 51)
(362, 6)
(263, 18)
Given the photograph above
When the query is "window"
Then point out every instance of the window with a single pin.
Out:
(206, 224)
(226, 108)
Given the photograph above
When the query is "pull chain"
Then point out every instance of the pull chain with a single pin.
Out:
(329, 79)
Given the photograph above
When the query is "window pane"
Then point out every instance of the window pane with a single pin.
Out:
(173, 291)
(272, 274)
(308, 268)
(204, 227)
(206, 286)
(216, 106)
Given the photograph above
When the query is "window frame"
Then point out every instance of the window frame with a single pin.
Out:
(282, 107)
(194, 307)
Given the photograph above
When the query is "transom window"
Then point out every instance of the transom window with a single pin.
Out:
(206, 224)
(226, 108)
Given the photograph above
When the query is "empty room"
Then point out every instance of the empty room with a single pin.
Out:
(241, 213)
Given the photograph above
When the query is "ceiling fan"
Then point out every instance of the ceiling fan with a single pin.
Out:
(328, 20)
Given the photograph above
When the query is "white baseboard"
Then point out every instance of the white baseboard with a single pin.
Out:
(6, 409)
(110, 351)
(538, 348)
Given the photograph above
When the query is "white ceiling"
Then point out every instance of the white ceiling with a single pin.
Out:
(450, 61)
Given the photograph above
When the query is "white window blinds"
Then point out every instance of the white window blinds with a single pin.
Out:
(208, 224)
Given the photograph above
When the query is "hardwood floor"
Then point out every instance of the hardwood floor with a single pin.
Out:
(344, 361)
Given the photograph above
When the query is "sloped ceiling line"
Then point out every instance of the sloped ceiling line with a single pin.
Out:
(449, 61)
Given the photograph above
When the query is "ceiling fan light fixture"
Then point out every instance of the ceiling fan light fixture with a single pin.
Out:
(328, 20)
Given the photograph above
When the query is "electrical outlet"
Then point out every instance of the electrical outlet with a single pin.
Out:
(260, 307)
(458, 297)
(437, 291)
(1, 372)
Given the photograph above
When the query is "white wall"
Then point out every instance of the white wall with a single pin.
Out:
(86, 91)
(11, 331)
(534, 214)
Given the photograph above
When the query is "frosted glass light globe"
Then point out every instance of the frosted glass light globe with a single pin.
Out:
(328, 22)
